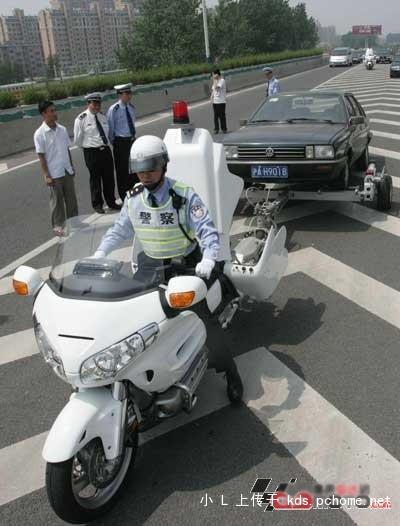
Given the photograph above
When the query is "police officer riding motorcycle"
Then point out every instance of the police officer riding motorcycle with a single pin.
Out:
(176, 234)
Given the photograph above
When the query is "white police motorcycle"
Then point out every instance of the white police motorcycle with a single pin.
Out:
(131, 347)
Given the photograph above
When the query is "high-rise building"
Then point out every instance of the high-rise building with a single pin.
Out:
(83, 34)
(20, 34)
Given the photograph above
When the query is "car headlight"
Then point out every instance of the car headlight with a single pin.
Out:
(231, 152)
(109, 362)
(49, 354)
(324, 152)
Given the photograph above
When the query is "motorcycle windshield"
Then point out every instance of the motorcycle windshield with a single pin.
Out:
(76, 273)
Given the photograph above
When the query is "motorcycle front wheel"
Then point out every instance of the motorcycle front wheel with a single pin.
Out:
(87, 486)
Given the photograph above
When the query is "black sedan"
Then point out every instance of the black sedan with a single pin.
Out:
(312, 139)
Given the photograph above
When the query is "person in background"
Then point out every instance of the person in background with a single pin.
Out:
(91, 134)
(272, 87)
(52, 145)
(218, 99)
(122, 134)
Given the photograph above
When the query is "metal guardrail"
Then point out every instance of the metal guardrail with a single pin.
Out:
(77, 102)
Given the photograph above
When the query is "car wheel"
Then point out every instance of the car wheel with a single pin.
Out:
(363, 161)
(385, 193)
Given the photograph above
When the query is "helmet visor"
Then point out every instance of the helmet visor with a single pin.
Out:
(147, 165)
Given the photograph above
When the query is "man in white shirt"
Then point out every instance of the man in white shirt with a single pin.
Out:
(91, 133)
(218, 99)
(52, 146)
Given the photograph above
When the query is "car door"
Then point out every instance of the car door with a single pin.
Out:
(365, 130)
(356, 139)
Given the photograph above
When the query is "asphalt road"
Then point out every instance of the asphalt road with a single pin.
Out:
(319, 359)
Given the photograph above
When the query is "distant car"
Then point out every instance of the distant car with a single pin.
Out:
(395, 67)
(341, 56)
(383, 56)
(308, 138)
(357, 57)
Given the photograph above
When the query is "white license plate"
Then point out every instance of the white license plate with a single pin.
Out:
(277, 171)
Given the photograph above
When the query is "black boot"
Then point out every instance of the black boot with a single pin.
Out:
(234, 388)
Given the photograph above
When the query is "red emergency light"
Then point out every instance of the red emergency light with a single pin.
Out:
(180, 112)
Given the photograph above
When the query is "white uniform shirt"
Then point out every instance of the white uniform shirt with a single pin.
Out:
(54, 144)
(86, 133)
(219, 91)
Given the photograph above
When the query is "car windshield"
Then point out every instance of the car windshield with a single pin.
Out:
(75, 273)
(301, 108)
(339, 52)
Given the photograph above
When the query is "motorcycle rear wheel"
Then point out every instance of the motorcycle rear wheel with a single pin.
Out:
(69, 484)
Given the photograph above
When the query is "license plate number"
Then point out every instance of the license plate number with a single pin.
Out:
(268, 171)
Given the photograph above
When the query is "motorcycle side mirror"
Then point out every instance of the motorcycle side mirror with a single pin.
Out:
(27, 281)
(185, 291)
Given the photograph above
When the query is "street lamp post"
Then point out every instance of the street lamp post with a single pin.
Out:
(205, 24)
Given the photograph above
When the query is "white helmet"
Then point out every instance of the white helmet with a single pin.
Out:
(148, 153)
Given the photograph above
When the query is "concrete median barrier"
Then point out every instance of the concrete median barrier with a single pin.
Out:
(18, 126)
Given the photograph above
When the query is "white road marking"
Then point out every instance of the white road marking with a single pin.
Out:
(363, 100)
(393, 136)
(380, 104)
(3, 167)
(369, 216)
(386, 122)
(383, 112)
(288, 407)
(16, 346)
(385, 153)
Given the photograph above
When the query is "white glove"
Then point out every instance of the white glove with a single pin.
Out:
(98, 254)
(204, 268)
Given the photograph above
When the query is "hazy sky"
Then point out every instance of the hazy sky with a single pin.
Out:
(341, 13)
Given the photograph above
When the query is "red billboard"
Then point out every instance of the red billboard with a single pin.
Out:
(367, 30)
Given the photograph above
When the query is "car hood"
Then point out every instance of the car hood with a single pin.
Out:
(277, 134)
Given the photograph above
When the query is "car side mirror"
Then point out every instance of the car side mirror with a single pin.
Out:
(185, 291)
(243, 122)
(355, 121)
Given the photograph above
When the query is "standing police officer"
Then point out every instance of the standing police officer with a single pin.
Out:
(91, 134)
(171, 221)
(122, 133)
(272, 87)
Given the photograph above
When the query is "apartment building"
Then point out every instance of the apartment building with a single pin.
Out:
(21, 43)
(85, 34)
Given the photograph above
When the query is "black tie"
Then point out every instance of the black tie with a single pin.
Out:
(130, 121)
(101, 131)
(153, 200)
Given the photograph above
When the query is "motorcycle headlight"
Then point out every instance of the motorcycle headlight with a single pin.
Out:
(49, 354)
(324, 152)
(231, 152)
(109, 362)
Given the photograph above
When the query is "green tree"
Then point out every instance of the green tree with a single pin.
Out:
(166, 32)
(260, 26)
(228, 28)
(304, 29)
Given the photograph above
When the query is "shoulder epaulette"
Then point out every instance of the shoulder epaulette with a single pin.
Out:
(82, 116)
(116, 106)
(136, 190)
